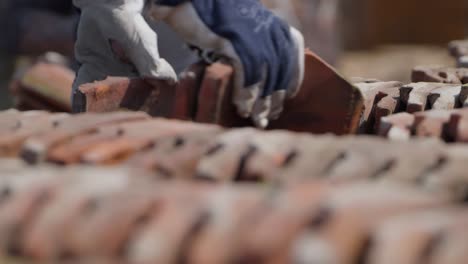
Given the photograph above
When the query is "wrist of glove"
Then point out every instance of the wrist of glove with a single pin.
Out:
(266, 53)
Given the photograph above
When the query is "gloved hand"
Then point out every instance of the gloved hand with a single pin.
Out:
(113, 39)
(266, 53)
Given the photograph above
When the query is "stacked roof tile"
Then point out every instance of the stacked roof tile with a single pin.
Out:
(185, 150)
(67, 215)
(459, 49)
(204, 94)
(43, 86)
(125, 187)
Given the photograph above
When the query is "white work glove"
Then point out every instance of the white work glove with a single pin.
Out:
(114, 39)
(266, 53)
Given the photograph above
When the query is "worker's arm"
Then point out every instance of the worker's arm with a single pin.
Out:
(267, 54)
(113, 39)
(121, 24)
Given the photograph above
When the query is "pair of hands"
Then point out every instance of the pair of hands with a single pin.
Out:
(266, 53)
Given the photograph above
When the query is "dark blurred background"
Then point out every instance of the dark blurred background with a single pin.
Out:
(30, 28)
(380, 39)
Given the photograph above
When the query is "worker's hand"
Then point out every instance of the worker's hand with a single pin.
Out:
(266, 53)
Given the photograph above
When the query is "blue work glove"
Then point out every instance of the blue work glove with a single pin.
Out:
(266, 53)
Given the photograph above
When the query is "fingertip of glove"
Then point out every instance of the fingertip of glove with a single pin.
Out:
(296, 84)
(244, 108)
(243, 113)
(275, 115)
(261, 123)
